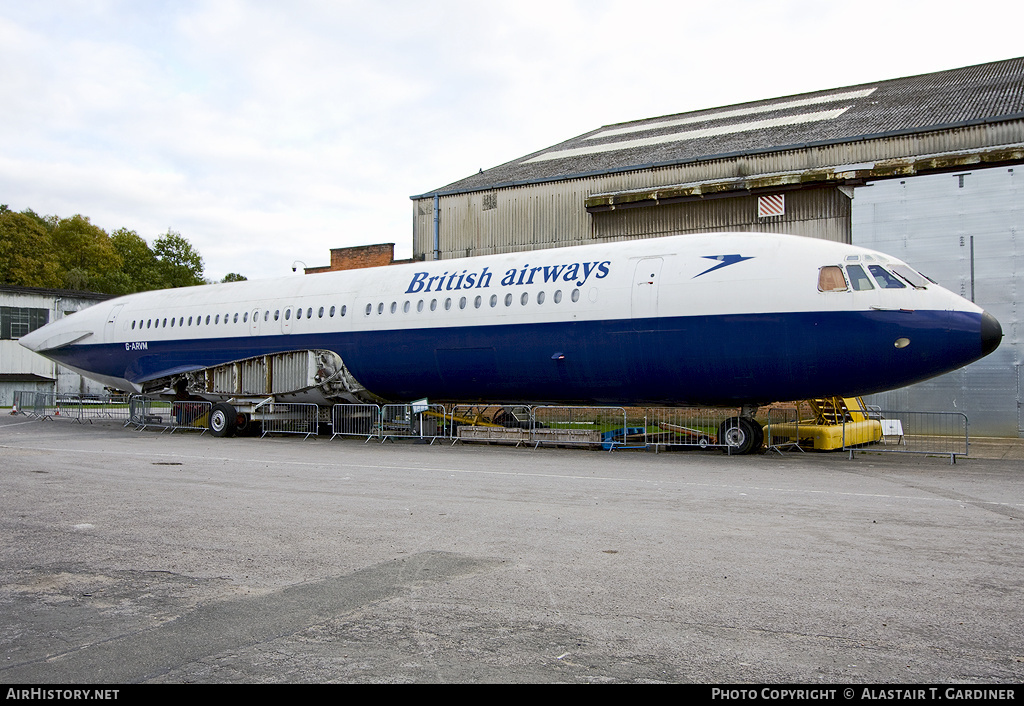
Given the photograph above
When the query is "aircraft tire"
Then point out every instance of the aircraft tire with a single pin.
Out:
(223, 420)
(741, 435)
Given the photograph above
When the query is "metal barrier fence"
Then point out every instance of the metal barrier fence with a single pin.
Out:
(932, 433)
(412, 421)
(301, 418)
(149, 413)
(355, 420)
(682, 426)
(783, 429)
(47, 405)
(498, 424)
(596, 427)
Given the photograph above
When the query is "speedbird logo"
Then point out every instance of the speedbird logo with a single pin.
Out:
(723, 261)
(578, 272)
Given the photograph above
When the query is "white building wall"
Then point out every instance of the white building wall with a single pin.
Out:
(17, 360)
(963, 230)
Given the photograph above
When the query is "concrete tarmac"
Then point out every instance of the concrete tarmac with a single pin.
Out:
(132, 557)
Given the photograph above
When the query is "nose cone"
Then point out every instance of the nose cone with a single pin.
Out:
(991, 333)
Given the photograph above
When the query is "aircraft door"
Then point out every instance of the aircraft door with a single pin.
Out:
(646, 279)
(108, 329)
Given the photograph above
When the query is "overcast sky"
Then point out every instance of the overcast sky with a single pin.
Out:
(267, 131)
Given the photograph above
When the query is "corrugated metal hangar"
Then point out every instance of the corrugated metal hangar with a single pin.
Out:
(921, 167)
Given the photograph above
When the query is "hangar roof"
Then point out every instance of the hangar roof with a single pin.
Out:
(971, 95)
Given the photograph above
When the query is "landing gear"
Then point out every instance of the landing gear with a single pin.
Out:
(741, 435)
(223, 420)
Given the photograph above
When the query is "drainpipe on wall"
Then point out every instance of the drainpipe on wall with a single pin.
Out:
(437, 228)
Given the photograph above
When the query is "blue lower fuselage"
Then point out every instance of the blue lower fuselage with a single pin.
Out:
(710, 360)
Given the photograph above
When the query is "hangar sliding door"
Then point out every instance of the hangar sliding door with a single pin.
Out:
(963, 230)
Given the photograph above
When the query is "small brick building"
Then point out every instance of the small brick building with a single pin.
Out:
(357, 257)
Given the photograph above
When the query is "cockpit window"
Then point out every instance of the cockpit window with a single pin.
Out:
(859, 278)
(915, 278)
(884, 278)
(831, 279)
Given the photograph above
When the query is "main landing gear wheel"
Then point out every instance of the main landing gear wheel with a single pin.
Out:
(741, 435)
(223, 419)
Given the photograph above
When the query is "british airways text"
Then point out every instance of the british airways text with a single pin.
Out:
(578, 272)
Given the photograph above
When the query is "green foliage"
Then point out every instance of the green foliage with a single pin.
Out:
(86, 255)
(178, 262)
(27, 254)
(234, 277)
(138, 263)
(72, 253)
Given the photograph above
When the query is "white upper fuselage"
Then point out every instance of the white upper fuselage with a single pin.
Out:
(673, 278)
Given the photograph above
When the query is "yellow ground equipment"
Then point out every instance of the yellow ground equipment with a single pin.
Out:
(837, 421)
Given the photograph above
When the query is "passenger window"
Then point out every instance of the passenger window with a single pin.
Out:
(859, 279)
(320, 314)
(309, 313)
(524, 298)
(558, 296)
(830, 279)
(331, 312)
(884, 278)
(343, 309)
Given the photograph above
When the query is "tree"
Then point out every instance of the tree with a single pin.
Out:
(27, 254)
(86, 255)
(138, 262)
(177, 261)
(234, 277)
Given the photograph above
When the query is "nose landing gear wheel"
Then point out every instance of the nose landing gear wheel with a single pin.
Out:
(741, 435)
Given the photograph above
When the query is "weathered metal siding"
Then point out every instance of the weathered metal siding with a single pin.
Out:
(553, 213)
(818, 213)
(932, 222)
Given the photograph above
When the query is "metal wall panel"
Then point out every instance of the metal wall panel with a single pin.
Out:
(934, 222)
(819, 213)
(552, 214)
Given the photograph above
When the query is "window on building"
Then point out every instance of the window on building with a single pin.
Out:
(18, 321)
